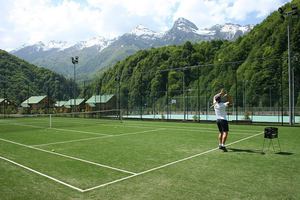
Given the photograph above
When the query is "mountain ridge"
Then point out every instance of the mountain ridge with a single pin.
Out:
(98, 52)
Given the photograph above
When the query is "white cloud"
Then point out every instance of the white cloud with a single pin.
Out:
(202, 13)
(205, 13)
(40, 20)
(242, 8)
(29, 21)
(130, 13)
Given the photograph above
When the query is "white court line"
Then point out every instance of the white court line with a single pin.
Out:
(118, 180)
(94, 138)
(166, 165)
(20, 124)
(67, 141)
(70, 130)
(70, 157)
(39, 173)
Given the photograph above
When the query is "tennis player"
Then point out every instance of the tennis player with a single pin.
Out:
(220, 111)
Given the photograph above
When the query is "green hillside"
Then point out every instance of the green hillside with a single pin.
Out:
(19, 79)
(253, 68)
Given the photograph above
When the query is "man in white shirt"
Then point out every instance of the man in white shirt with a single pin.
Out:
(220, 111)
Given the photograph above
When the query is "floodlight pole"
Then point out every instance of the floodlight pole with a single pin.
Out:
(206, 103)
(236, 98)
(281, 94)
(118, 80)
(141, 96)
(167, 96)
(119, 92)
(198, 94)
(244, 95)
(183, 94)
(290, 77)
(293, 97)
(28, 106)
(101, 106)
(74, 61)
(287, 15)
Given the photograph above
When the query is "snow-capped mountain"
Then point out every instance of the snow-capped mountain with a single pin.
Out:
(185, 25)
(99, 52)
(40, 46)
(227, 31)
(61, 45)
(99, 42)
(182, 31)
(144, 32)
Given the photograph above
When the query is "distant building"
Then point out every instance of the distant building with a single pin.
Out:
(74, 105)
(101, 102)
(7, 106)
(59, 106)
(37, 104)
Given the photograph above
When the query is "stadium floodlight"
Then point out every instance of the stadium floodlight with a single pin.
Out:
(74, 61)
(287, 15)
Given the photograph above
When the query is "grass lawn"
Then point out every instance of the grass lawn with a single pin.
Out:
(99, 159)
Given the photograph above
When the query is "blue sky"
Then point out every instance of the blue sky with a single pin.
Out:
(30, 21)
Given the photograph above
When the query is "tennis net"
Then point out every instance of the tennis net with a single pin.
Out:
(58, 120)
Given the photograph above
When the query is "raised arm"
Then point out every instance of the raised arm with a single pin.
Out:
(229, 100)
(221, 94)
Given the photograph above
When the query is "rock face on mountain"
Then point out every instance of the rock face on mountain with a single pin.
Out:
(98, 52)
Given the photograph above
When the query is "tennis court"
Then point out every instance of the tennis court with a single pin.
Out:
(91, 158)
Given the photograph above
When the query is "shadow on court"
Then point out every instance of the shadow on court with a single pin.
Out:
(284, 153)
(243, 150)
(257, 151)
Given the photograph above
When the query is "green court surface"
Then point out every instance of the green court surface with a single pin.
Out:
(80, 158)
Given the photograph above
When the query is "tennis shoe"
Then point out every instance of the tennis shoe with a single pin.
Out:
(224, 149)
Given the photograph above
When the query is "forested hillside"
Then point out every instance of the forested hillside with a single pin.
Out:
(253, 68)
(19, 79)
